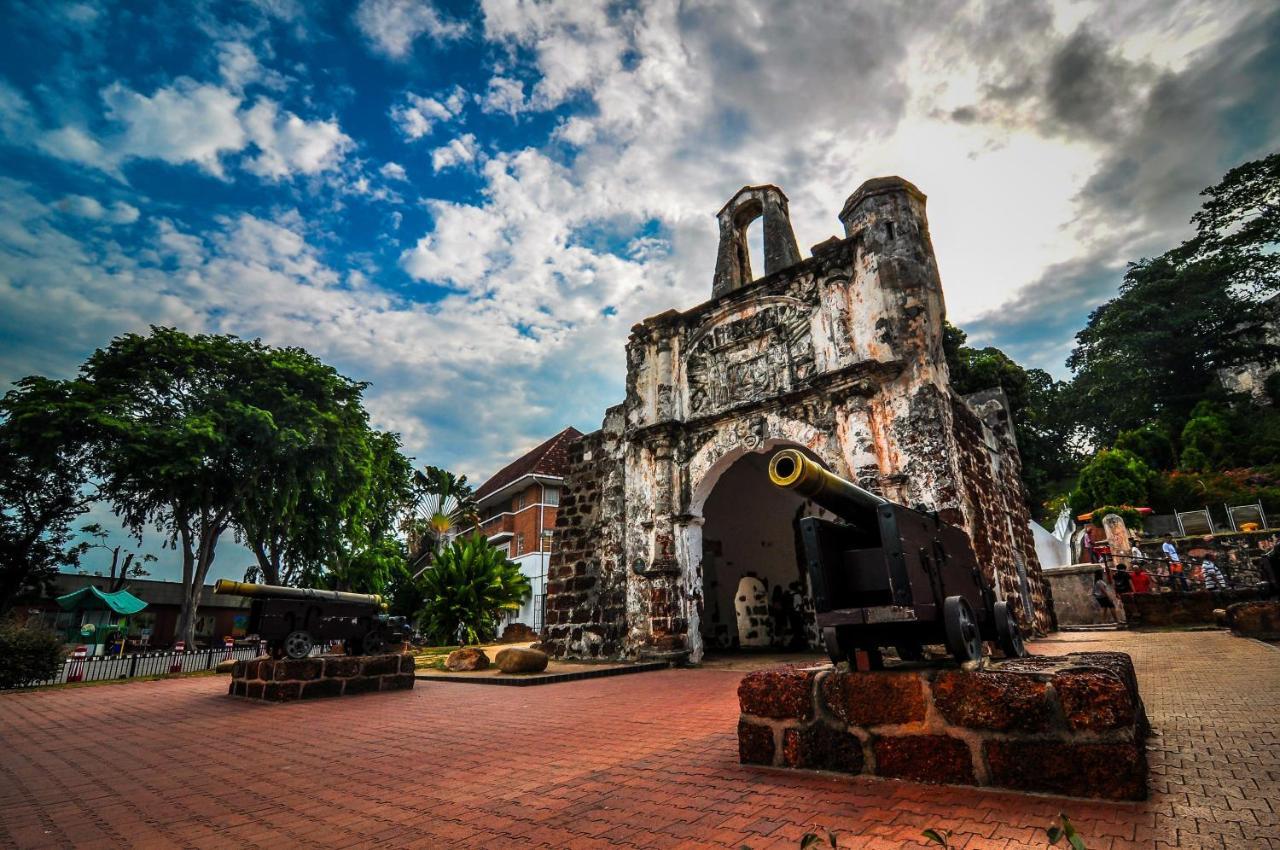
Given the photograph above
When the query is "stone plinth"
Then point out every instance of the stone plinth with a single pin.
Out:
(1176, 608)
(1071, 725)
(1259, 619)
(282, 680)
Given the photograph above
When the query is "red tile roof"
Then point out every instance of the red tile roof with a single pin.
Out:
(550, 458)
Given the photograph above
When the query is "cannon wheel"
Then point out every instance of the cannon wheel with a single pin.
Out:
(963, 638)
(298, 644)
(1008, 635)
(838, 650)
(374, 644)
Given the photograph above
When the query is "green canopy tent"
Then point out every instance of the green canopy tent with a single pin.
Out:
(91, 599)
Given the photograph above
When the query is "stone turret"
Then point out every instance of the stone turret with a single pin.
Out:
(733, 260)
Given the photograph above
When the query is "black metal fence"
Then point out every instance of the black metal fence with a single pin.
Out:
(162, 663)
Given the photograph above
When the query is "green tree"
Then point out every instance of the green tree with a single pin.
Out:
(1206, 439)
(1156, 349)
(1112, 477)
(119, 573)
(1239, 225)
(442, 505)
(1151, 443)
(313, 469)
(469, 584)
(1043, 424)
(44, 485)
(365, 554)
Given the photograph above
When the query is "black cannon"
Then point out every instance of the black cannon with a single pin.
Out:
(294, 619)
(885, 575)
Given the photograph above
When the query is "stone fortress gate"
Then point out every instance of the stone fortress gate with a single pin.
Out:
(672, 541)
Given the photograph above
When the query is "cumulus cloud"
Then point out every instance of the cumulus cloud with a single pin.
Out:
(393, 171)
(460, 151)
(81, 205)
(417, 116)
(289, 145)
(187, 122)
(392, 26)
(504, 95)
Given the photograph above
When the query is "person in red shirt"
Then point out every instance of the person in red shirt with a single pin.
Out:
(1140, 579)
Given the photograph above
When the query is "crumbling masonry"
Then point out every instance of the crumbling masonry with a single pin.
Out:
(839, 354)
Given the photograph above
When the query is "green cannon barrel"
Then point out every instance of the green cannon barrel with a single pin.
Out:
(273, 591)
(793, 471)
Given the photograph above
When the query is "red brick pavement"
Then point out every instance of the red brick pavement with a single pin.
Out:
(644, 761)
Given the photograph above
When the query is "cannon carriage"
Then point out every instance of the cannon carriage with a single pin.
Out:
(292, 620)
(885, 575)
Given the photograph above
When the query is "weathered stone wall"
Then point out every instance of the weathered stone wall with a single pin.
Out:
(1073, 601)
(993, 508)
(1236, 554)
(839, 354)
(586, 613)
(1070, 725)
(287, 679)
(1174, 609)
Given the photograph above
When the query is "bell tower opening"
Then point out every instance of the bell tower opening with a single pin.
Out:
(755, 593)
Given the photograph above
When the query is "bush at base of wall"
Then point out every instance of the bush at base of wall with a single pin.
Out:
(27, 655)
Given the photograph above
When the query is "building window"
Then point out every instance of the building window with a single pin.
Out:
(518, 502)
(551, 496)
(520, 543)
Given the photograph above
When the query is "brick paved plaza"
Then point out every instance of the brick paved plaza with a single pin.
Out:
(648, 760)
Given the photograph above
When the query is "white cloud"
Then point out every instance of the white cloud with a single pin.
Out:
(187, 122)
(392, 26)
(238, 65)
(460, 151)
(289, 145)
(504, 95)
(393, 171)
(417, 116)
(81, 205)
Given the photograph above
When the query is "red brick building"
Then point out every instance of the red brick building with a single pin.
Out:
(518, 513)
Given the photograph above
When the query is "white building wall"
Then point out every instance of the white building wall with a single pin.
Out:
(1051, 551)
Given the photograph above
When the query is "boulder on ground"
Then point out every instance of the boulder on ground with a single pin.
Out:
(1255, 619)
(515, 659)
(226, 666)
(518, 633)
(467, 658)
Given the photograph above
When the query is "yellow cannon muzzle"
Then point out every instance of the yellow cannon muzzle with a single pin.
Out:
(792, 470)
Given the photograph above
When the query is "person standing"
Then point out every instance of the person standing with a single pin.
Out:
(1213, 579)
(1140, 579)
(1122, 579)
(1177, 578)
(1102, 595)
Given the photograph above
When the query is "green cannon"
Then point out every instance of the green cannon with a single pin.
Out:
(292, 620)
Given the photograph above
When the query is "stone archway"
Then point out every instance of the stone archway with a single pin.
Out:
(742, 535)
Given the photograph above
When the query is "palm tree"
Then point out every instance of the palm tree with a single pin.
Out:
(442, 506)
(469, 584)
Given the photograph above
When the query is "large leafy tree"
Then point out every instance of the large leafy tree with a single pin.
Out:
(365, 554)
(443, 504)
(118, 572)
(199, 436)
(469, 584)
(312, 473)
(1043, 424)
(1112, 477)
(44, 484)
(1155, 351)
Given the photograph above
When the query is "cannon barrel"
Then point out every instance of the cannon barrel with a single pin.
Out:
(273, 591)
(793, 471)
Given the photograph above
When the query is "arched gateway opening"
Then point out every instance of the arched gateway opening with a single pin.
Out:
(755, 593)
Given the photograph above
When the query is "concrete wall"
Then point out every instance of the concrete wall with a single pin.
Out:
(1072, 590)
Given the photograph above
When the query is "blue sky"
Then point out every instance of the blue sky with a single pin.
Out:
(469, 205)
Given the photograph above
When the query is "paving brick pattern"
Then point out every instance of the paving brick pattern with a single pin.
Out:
(644, 761)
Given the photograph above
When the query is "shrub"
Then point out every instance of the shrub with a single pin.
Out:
(1150, 444)
(28, 654)
(1131, 518)
(470, 584)
(1113, 477)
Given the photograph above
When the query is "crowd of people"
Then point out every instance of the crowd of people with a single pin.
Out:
(1145, 574)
